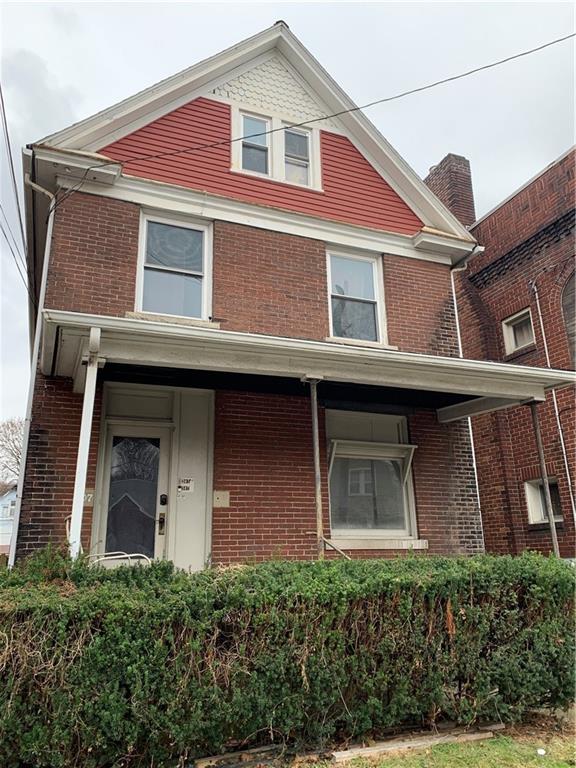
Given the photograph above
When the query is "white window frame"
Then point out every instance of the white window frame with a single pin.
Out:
(402, 452)
(534, 502)
(378, 278)
(269, 143)
(276, 148)
(508, 330)
(186, 223)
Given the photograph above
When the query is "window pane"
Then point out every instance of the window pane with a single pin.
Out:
(176, 247)
(354, 319)
(252, 125)
(132, 500)
(555, 496)
(352, 277)
(170, 293)
(255, 159)
(523, 332)
(296, 173)
(367, 494)
(296, 145)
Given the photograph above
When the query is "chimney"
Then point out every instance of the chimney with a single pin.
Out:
(451, 182)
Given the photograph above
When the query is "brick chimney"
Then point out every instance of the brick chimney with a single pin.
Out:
(451, 182)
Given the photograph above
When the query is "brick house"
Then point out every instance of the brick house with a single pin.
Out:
(516, 305)
(245, 339)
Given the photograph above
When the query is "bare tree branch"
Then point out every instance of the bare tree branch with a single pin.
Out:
(11, 431)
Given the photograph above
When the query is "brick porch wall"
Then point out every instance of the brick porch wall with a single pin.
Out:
(51, 465)
(263, 456)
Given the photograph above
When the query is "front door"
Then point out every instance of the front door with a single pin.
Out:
(137, 503)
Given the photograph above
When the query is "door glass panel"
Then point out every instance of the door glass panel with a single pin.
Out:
(131, 525)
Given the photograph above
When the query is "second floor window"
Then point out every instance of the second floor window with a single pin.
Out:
(174, 270)
(355, 311)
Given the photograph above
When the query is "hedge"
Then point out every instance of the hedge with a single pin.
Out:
(150, 666)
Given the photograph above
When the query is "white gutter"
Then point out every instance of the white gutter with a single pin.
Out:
(319, 350)
(33, 367)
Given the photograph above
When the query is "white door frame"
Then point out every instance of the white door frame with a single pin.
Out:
(132, 428)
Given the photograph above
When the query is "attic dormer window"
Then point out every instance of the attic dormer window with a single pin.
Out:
(255, 148)
(272, 146)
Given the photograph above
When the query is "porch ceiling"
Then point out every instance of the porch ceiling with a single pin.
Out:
(481, 386)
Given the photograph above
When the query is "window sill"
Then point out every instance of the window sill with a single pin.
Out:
(360, 343)
(515, 353)
(544, 527)
(172, 319)
(274, 180)
(373, 543)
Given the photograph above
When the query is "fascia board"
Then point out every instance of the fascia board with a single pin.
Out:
(131, 340)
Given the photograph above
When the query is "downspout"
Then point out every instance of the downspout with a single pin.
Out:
(532, 284)
(460, 266)
(34, 362)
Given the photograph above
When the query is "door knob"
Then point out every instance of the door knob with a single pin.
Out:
(161, 523)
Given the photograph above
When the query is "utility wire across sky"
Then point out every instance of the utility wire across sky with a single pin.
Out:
(202, 147)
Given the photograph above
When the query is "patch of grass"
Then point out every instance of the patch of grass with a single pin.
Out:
(500, 752)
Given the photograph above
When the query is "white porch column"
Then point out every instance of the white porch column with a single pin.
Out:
(545, 481)
(84, 443)
(317, 473)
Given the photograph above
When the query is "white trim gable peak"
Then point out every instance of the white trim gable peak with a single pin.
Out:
(307, 92)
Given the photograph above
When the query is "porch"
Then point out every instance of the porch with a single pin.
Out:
(213, 446)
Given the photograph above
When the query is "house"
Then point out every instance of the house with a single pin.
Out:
(516, 305)
(245, 328)
(7, 508)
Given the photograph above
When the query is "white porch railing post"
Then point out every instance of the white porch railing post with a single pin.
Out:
(317, 472)
(74, 537)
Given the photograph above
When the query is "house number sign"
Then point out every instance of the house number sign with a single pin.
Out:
(185, 487)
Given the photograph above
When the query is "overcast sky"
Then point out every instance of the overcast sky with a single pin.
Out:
(62, 62)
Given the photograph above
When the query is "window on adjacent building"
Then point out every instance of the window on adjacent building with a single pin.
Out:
(297, 156)
(369, 489)
(536, 500)
(354, 298)
(255, 149)
(518, 331)
(569, 312)
(174, 270)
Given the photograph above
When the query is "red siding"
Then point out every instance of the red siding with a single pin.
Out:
(353, 192)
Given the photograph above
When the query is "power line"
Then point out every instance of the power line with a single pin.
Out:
(16, 246)
(11, 165)
(22, 275)
(227, 142)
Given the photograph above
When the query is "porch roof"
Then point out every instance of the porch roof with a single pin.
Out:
(482, 386)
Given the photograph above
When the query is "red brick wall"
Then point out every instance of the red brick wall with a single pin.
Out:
(51, 465)
(529, 238)
(94, 255)
(263, 456)
(263, 282)
(419, 306)
(268, 282)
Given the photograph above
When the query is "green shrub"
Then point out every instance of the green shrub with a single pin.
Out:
(142, 666)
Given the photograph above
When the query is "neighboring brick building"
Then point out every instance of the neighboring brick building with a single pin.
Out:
(520, 287)
(247, 349)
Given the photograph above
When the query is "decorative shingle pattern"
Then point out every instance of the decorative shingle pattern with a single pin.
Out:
(271, 87)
